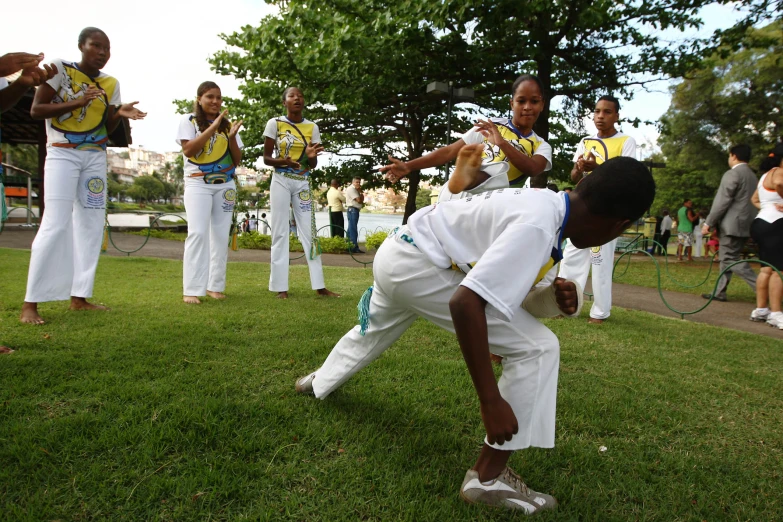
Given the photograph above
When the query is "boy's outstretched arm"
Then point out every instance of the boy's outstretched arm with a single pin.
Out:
(470, 323)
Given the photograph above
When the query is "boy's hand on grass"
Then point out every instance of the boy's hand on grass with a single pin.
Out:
(566, 296)
(499, 421)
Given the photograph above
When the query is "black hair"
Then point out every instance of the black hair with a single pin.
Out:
(527, 78)
(773, 160)
(665, 212)
(263, 215)
(285, 92)
(552, 187)
(201, 117)
(685, 201)
(620, 188)
(611, 99)
(742, 152)
(87, 32)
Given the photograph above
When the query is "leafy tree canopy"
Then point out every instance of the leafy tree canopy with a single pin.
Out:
(730, 98)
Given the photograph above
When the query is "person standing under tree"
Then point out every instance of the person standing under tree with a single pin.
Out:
(355, 201)
(336, 200)
(81, 106)
(212, 149)
(592, 151)
(732, 213)
(686, 217)
(291, 146)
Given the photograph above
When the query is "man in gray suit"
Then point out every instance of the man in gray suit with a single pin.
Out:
(732, 213)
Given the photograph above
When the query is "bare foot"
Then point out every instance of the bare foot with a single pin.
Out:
(282, 295)
(80, 303)
(191, 299)
(466, 173)
(592, 320)
(30, 314)
(5, 350)
(326, 293)
(216, 295)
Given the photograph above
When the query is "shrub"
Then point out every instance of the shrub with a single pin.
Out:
(374, 240)
(334, 245)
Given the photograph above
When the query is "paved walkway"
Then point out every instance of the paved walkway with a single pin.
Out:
(732, 315)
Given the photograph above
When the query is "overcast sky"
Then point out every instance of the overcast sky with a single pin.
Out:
(160, 50)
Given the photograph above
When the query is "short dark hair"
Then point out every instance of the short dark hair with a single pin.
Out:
(262, 215)
(619, 188)
(527, 78)
(87, 32)
(611, 99)
(687, 200)
(285, 92)
(741, 151)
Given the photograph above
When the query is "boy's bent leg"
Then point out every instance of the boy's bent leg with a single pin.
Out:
(355, 351)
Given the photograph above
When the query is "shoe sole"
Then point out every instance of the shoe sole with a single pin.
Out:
(758, 319)
(505, 508)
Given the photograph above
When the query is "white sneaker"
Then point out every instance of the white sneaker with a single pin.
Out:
(759, 316)
(507, 491)
(304, 384)
(775, 321)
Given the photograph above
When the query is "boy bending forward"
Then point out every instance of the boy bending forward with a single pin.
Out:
(469, 266)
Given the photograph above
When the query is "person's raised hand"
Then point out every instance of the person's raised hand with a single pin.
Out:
(590, 163)
(235, 128)
(490, 131)
(35, 76)
(13, 62)
(566, 296)
(291, 163)
(90, 93)
(499, 420)
(128, 110)
(396, 170)
(313, 149)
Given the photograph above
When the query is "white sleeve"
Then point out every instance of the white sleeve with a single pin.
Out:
(489, 277)
(270, 131)
(545, 150)
(239, 141)
(473, 136)
(56, 80)
(580, 150)
(115, 97)
(3, 83)
(186, 131)
(316, 138)
(629, 148)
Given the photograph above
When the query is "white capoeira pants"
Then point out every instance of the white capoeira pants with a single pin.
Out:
(66, 248)
(209, 209)
(576, 265)
(288, 193)
(407, 285)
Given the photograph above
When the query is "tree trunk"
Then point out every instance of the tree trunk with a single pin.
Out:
(413, 189)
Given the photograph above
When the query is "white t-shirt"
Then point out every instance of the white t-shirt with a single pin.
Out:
(666, 223)
(512, 230)
(85, 127)
(291, 139)
(529, 144)
(351, 197)
(614, 146)
(216, 154)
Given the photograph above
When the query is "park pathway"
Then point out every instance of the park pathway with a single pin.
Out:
(732, 315)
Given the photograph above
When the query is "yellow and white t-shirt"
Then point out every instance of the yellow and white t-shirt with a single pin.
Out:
(291, 139)
(606, 148)
(519, 233)
(83, 128)
(214, 157)
(529, 144)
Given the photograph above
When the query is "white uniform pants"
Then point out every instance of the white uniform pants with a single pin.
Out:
(66, 248)
(209, 209)
(698, 243)
(408, 285)
(576, 266)
(288, 193)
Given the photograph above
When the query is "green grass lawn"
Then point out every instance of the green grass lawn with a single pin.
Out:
(683, 277)
(161, 411)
